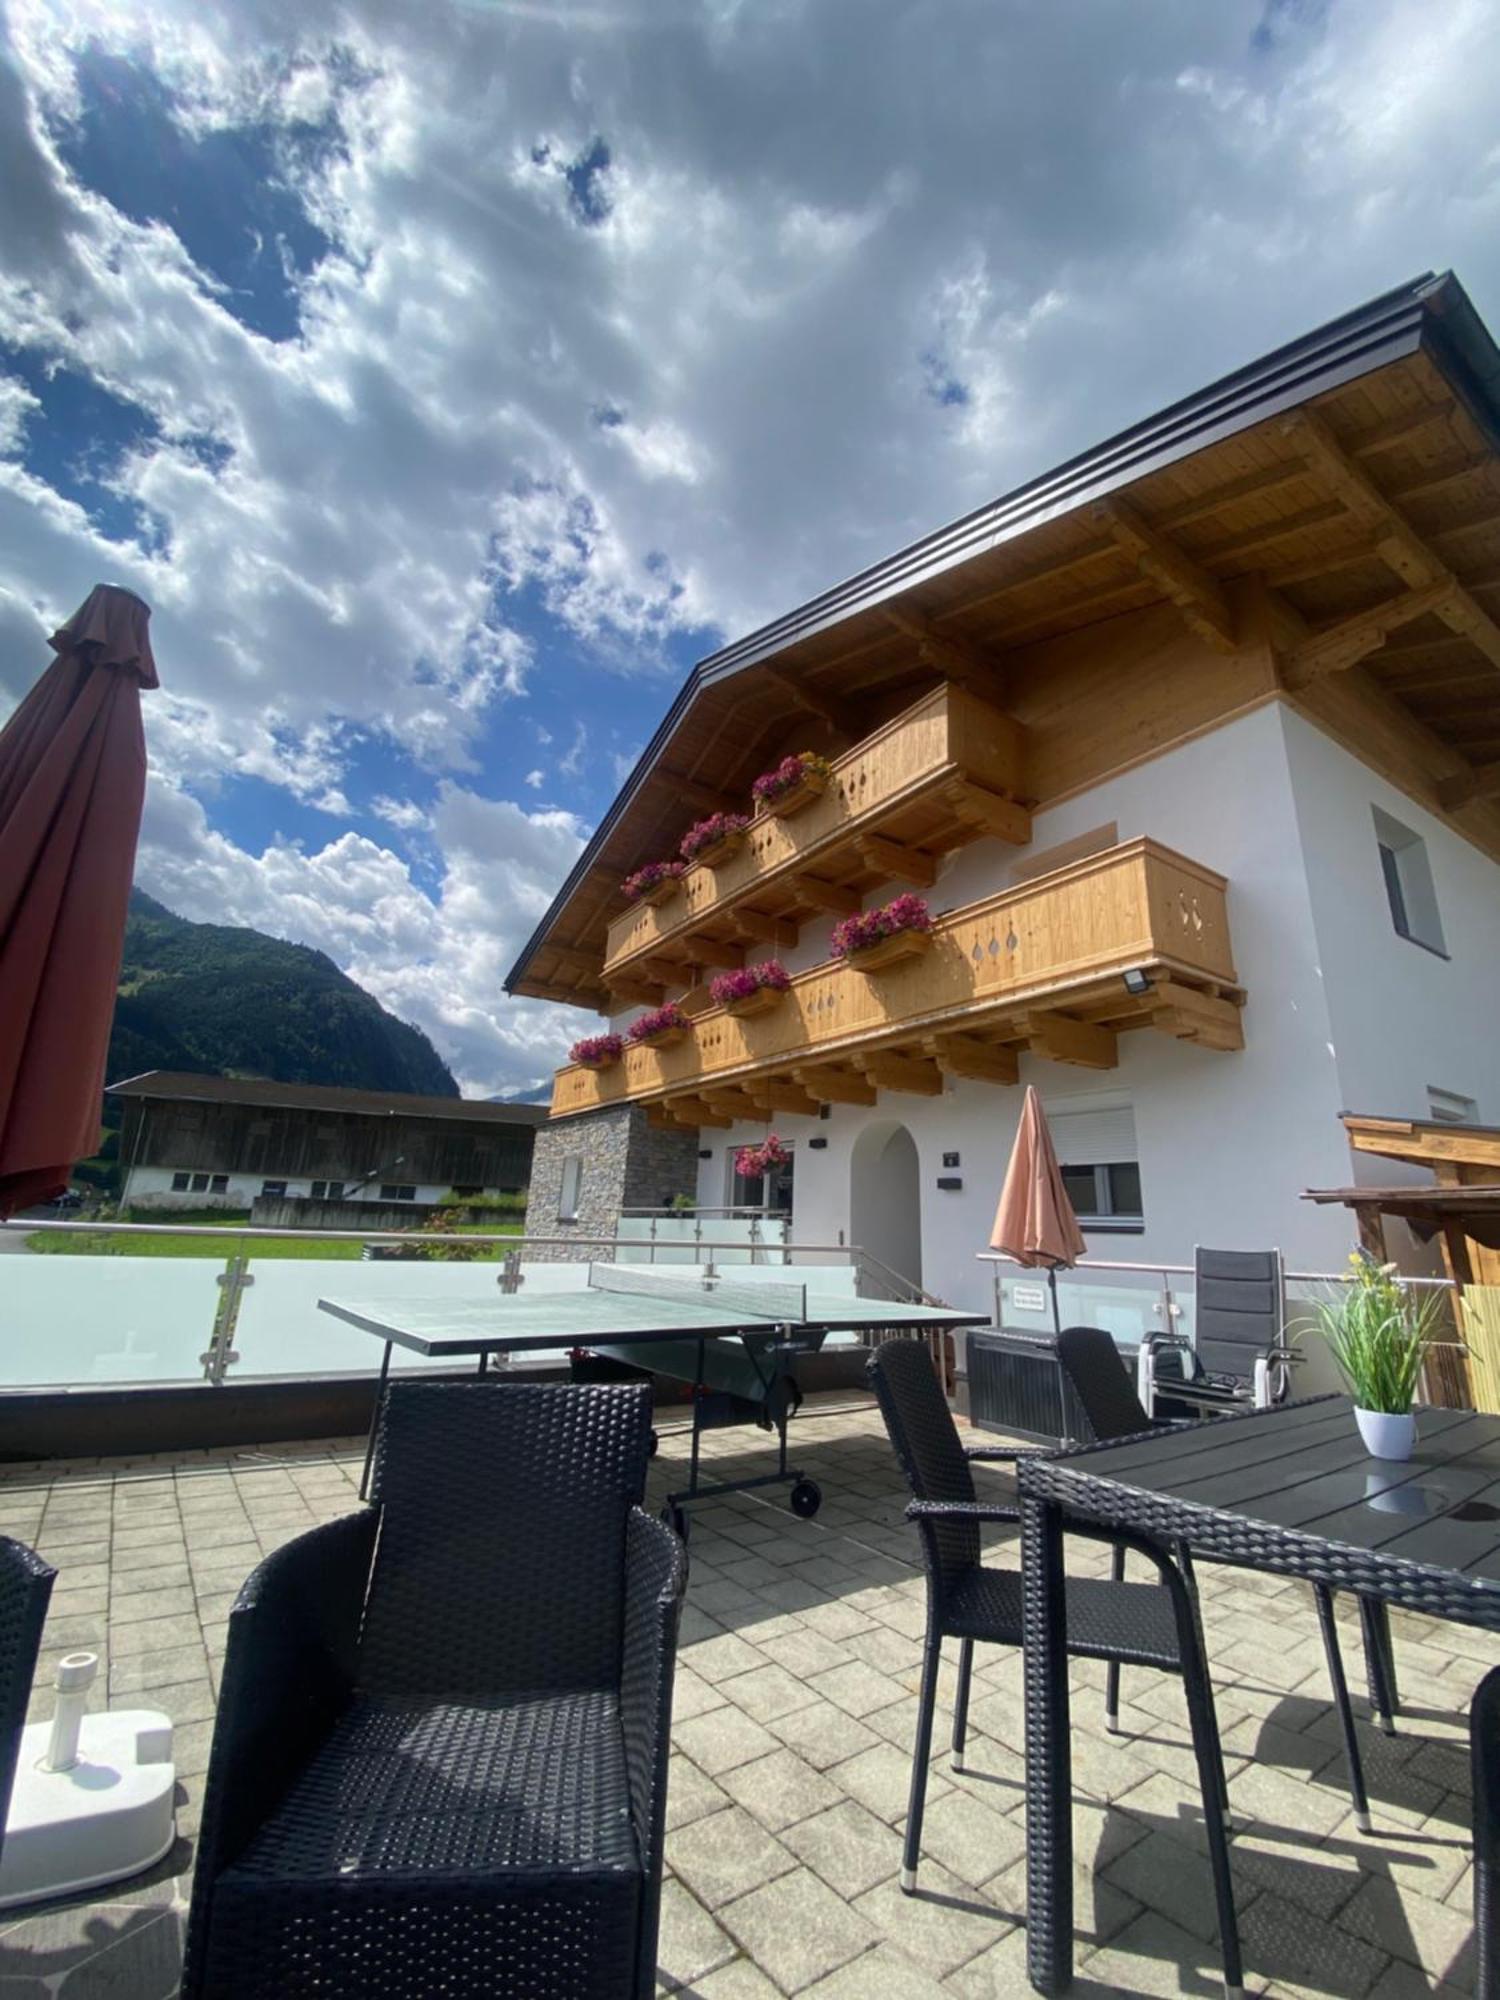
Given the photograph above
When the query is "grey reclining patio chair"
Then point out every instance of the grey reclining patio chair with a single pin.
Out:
(440, 1759)
(25, 1592)
(1240, 1354)
(1089, 1358)
(1141, 1624)
(1484, 1765)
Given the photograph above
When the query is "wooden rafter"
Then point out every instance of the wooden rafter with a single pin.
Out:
(897, 863)
(970, 665)
(830, 896)
(978, 806)
(1482, 782)
(1398, 544)
(837, 714)
(894, 1072)
(1062, 1039)
(1392, 431)
(1351, 640)
(1190, 587)
(702, 798)
(696, 1111)
(755, 926)
(1193, 1016)
(831, 1086)
(774, 1093)
(976, 1061)
(731, 1100)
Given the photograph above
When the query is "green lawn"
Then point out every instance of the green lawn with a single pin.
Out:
(57, 1243)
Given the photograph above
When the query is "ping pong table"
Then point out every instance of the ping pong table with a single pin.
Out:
(729, 1341)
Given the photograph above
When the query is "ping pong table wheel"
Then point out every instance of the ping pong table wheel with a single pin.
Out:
(676, 1519)
(806, 1498)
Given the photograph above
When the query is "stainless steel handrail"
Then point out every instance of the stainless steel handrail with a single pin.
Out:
(1186, 1270)
(241, 1229)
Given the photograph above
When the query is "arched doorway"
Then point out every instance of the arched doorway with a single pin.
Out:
(885, 1197)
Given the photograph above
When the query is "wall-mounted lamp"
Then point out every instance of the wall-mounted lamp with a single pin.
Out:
(1137, 980)
(817, 1145)
(949, 1182)
(705, 1152)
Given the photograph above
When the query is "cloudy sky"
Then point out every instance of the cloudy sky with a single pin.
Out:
(450, 377)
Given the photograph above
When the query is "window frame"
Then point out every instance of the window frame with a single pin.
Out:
(1400, 878)
(571, 1170)
(398, 1191)
(1104, 1218)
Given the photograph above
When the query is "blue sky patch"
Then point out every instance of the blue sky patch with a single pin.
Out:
(224, 193)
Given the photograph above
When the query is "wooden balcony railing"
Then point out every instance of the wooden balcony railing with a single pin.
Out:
(1037, 967)
(942, 773)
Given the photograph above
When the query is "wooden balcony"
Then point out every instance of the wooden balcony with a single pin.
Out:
(1035, 968)
(941, 774)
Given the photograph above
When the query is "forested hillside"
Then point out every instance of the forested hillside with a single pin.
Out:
(236, 1002)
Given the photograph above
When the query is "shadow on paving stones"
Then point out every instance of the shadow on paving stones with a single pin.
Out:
(88, 1952)
(1289, 1890)
(1409, 1772)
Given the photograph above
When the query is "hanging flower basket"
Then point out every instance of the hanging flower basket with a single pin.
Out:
(870, 940)
(715, 840)
(794, 783)
(662, 1028)
(752, 1162)
(658, 882)
(753, 989)
(597, 1051)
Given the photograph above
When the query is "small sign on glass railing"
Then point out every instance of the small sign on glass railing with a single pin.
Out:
(1028, 1298)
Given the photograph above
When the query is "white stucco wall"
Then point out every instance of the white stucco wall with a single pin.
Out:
(1403, 1019)
(1226, 1142)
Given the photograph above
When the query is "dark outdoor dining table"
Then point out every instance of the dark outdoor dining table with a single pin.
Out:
(1288, 1490)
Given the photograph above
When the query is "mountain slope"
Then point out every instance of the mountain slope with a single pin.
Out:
(237, 1002)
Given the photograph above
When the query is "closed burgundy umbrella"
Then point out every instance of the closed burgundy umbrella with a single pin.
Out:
(1035, 1223)
(72, 778)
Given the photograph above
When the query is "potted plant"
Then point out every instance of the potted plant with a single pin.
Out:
(752, 989)
(714, 840)
(793, 783)
(871, 939)
(656, 882)
(751, 1162)
(1378, 1334)
(597, 1051)
(661, 1028)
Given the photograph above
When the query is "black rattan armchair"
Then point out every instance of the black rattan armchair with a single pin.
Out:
(25, 1592)
(1089, 1358)
(439, 1765)
(1141, 1624)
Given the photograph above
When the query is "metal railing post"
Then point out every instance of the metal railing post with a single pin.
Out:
(220, 1355)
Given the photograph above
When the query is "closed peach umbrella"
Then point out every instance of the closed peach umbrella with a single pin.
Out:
(1035, 1223)
(72, 780)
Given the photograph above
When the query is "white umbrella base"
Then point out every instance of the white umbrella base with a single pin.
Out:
(109, 1815)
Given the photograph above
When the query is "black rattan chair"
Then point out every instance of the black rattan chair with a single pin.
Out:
(25, 1592)
(1484, 1764)
(1141, 1624)
(1089, 1358)
(440, 1760)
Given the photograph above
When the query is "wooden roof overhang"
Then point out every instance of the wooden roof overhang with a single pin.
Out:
(1430, 1142)
(1350, 482)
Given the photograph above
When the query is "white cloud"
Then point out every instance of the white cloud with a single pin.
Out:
(536, 779)
(438, 960)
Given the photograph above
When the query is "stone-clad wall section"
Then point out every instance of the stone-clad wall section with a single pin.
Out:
(627, 1163)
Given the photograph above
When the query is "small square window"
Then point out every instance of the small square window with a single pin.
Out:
(1409, 888)
(328, 1190)
(200, 1184)
(273, 1187)
(397, 1191)
(572, 1187)
(219, 1184)
(180, 1183)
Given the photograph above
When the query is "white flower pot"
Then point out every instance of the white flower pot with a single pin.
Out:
(1387, 1436)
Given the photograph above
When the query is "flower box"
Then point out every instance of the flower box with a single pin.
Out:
(761, 1001)
(889, 950)
(661, 1038)
(661, 892)
(714, 840)
(662, 1028)
(794, 783)
(750, 989)
(597, 1051)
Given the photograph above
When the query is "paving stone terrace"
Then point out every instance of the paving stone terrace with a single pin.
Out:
(796, 1703)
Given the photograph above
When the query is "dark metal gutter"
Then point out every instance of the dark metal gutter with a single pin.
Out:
(1431, 311)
